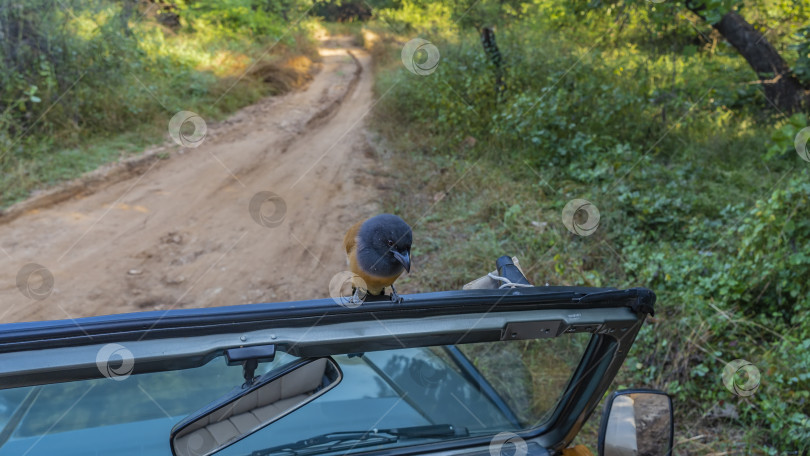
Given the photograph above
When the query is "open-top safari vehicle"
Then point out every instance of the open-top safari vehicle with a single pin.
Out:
(515, 370)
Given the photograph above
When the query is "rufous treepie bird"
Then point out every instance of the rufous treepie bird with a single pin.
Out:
(378, 250)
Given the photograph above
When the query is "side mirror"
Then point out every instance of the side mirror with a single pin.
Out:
(252, 407)
(637, 423)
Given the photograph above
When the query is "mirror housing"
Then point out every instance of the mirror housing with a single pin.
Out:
(251, 407)
(637, 422)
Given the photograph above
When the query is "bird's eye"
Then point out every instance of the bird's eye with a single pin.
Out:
(390, 243)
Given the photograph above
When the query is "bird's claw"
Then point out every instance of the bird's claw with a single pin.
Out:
(395, 297)
(358, 297)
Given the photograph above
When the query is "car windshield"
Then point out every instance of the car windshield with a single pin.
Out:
(483, 388)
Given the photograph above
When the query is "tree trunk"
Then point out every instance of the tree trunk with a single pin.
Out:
(780, 86)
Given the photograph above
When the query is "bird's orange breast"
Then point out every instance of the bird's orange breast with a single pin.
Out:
(373, 284)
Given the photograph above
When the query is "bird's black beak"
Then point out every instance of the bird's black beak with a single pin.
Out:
(404, 259)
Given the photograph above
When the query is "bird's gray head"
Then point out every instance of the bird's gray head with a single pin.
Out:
(384, 245)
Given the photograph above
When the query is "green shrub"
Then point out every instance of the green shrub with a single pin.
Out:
(86, 73)
(674, 152)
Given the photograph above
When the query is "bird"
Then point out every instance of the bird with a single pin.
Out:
(378, 250)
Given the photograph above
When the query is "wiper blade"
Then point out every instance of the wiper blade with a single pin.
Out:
(341, 444)
(362, 438)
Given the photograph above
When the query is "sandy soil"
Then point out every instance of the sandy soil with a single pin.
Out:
(180, 232)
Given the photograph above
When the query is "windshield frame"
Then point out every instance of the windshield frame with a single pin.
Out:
(58, 351)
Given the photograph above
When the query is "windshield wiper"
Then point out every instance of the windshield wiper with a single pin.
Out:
(334, 441)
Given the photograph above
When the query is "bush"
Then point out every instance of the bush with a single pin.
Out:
(673, 152)
(92, 71)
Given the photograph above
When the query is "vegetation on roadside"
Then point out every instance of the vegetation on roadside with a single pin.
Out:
(641, 107)
(85, 83)
(702, 195)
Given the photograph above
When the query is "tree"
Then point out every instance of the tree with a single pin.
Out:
(782, 88)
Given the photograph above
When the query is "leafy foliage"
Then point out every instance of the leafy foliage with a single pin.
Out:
(95, 69)
(802, 48)
(702, 196)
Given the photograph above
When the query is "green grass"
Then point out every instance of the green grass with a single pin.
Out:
(47, 167)
(61, 117)
(672, 148)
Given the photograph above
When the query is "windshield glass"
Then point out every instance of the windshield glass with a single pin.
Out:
(482, 388)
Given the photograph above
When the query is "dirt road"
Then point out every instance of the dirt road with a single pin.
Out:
(181, 233)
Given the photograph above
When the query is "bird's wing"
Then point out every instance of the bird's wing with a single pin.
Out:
(350, 240)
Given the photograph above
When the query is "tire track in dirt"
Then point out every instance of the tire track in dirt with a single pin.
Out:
(177, 233)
